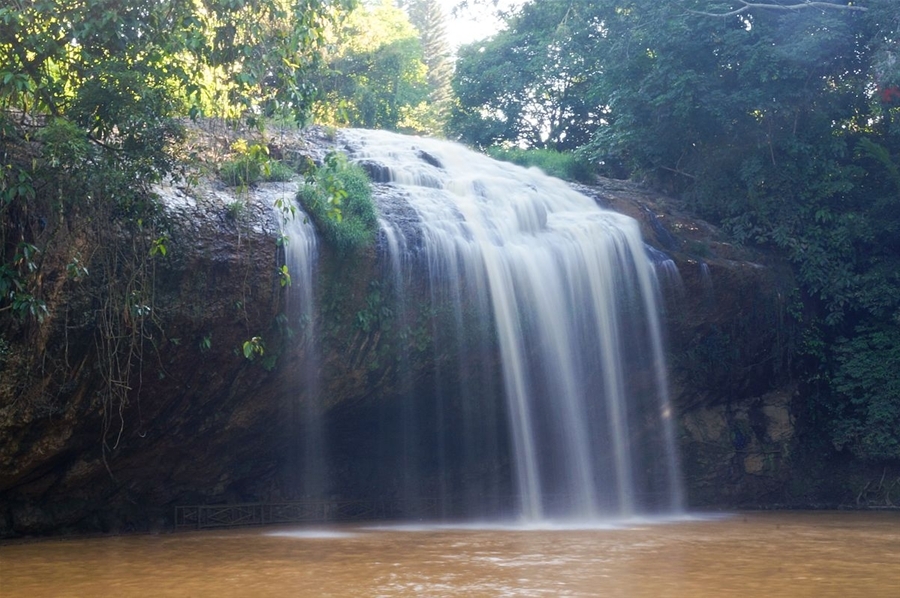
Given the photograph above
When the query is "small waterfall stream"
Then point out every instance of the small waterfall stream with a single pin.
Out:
(570, 293)
(308, 461)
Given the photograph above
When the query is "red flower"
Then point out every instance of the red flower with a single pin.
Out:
(889, 95)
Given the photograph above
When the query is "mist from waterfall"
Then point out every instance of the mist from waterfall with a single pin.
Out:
(569, 296)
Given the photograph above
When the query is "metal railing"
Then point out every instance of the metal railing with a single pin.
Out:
(246, 514)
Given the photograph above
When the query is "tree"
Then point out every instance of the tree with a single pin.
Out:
(374, 76)
(865, 414)
(429, 19)
(531, 83)
(59, 53)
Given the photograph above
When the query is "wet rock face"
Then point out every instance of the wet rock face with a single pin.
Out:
(730, 342)
(90, 465)
(203, 424)
(739, 453)
(378, 173)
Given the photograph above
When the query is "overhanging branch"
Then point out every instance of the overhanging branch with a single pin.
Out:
(747, 6)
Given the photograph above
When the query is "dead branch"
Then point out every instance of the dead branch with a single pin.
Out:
(799, 6)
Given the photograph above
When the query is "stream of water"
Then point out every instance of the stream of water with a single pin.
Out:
(570, 293)
(770, 555)
(307, 463)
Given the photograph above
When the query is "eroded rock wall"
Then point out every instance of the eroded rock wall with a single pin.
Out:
(203, 423)
(731, 340)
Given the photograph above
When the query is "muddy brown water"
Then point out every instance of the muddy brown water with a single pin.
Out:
(765, 555)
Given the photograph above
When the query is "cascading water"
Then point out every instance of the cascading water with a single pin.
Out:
(308, 462)
(569, 294)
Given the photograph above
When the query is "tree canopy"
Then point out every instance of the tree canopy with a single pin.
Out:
(531, 83)
(430, 20)
(374, 75)
(89, 90)
(388, 66)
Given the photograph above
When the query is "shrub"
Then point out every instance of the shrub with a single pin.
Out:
(866, 416)
(338, 197)
(252, 165)
(563, 165)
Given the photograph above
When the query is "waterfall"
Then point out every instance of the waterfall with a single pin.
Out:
(570, 296)
(308, 462)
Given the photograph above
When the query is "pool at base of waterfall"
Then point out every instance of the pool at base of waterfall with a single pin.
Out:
(772, 554)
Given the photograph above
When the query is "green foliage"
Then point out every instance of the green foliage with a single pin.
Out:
(377, 310)
(242, 171)
(531, 84)
(15, 183)
(253, 348)
(159, 246)
(375, 76)
(767, 124)
(251, 165)
(15, 294)
(75, 270)
(236, 209)
(284, 276)
(429, 19)
(338, 197)
(278, 171)
(866, 414)
(564, 165)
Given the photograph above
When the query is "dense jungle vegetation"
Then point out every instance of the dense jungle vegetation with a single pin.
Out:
(779, 121)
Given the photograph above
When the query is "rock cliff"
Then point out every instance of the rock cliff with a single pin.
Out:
(202, 423)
